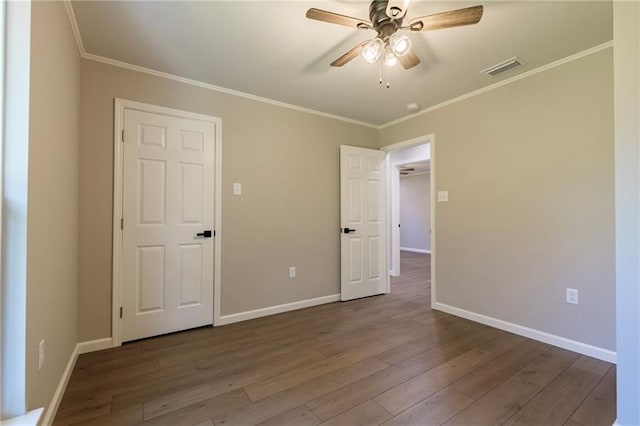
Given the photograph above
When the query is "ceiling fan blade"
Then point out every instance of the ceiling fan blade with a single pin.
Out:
(351, 54)
(334, 18)
(409, 60)
(453, 18)
(396, 9)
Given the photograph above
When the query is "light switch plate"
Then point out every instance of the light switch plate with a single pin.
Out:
(237, 188)
(443, 196)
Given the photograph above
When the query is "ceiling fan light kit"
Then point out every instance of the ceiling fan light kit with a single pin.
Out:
(372, 50)
(399, 44)
(386, 18)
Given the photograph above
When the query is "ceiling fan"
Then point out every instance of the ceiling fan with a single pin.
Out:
(386, 18)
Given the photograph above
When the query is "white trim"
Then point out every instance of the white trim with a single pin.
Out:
(431, 140)
(119, 106)
(415, 250)
(95, 345)
(513, 79)
(394, 177)
(220, 89)
(74, 26)
(432, 210)
(90, 56)
(80, 348)
(29, 419)
(52, 409)
(217, 223)
(272, 310)
(562, 342)
(118, 124)
(120, 64)
(407, 144)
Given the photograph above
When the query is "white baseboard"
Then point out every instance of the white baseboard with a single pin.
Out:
(415, 250)
(32, 418)
(272, 310)
(95, 345)
(562, 342)
(52, 409)
(81, 348)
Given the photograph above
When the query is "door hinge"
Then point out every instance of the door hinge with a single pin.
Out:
(120, 311)
(122, 135)
(121, 223)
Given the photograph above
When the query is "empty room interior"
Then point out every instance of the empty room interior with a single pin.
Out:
(402, 212)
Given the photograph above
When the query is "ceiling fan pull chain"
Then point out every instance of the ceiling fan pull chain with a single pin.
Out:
(380, 71)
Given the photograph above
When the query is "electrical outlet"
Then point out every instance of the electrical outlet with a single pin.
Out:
(292, 272)
(443, 196)
(572, 296)
(40, 354)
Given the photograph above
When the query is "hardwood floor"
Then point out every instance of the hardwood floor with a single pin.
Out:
(381, 360)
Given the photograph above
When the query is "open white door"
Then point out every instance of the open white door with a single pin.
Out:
(363, 224)
(168, 217)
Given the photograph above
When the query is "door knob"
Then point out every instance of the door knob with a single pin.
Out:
(347, 230)
(205, 234)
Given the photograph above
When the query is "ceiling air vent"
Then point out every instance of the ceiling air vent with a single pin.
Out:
(504, 66)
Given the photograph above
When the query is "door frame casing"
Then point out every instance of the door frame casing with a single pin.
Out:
(394, 194)
(431, 140)
(118, 152)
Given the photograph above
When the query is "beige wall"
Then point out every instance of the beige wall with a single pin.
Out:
(415, 211)
(52, 221)
(529, 170)
(288, 214)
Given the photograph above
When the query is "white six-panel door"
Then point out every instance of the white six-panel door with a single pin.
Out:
(363, 214)
(168, 198)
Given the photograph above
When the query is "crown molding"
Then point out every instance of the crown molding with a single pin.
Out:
(74, 26)
(220, 89)
(513, 79)
(212, 87)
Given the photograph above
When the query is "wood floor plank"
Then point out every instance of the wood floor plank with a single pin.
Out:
(343, 399)
(222, 359)
(481, 381)
(75, 414)
(234, 376)
(434, 410)
(106, 376)
(129, 417)
(300, 416)
(119, 385)
(599, 408)
(430, 341)
(506, 399)
(201, 411)
(289, 399)
(225, 383)
(593, 365)
(369, 413)
(357, 362)
(293, 377)
(411, 392)
(554, 404)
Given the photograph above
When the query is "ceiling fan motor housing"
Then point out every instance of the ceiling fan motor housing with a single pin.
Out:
(382, 23)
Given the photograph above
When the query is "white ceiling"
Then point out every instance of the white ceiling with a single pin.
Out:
(269, 48)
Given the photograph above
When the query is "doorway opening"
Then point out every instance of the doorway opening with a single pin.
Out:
(411, 178)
